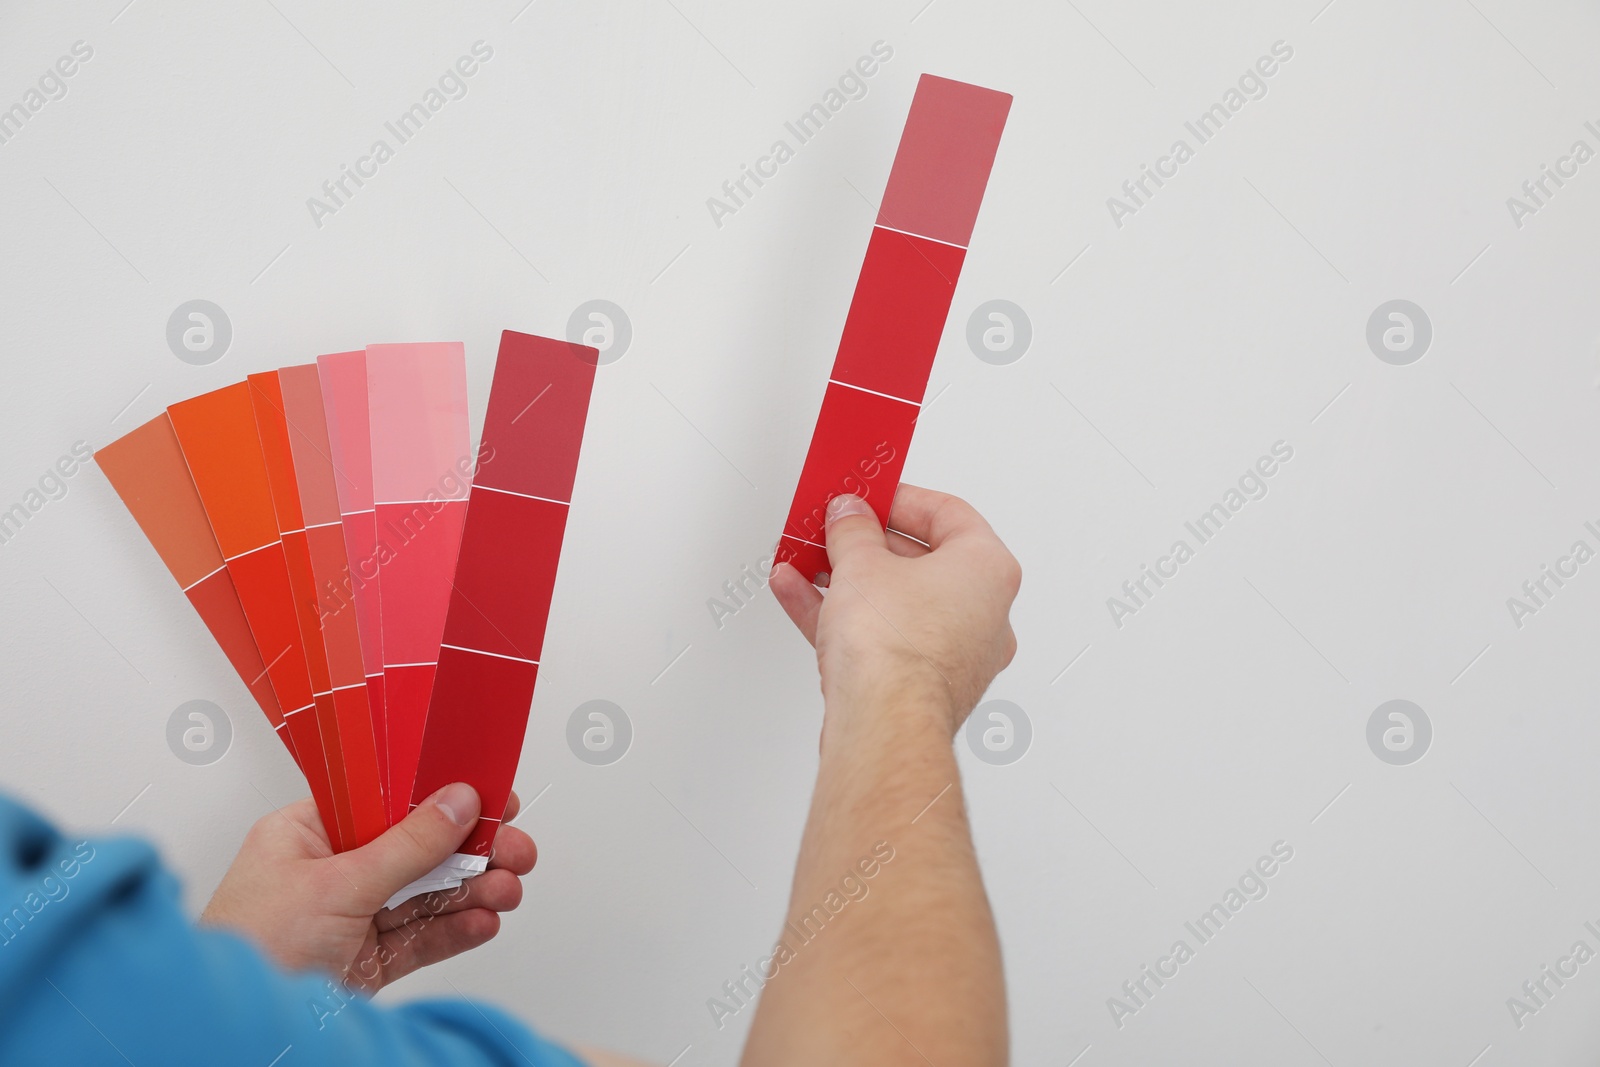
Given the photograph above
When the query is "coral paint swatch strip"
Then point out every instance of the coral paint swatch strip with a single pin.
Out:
(147, 469)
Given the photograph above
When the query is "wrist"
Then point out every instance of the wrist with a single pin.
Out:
(890, 703)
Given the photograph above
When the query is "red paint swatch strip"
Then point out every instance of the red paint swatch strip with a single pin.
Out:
(505, 573)
(898, 312)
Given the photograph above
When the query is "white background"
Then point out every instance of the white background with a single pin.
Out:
(1229, 313)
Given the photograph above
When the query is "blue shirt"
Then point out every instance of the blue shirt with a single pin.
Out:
(99, 966)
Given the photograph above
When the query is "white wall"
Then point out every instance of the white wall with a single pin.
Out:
(1227, 314)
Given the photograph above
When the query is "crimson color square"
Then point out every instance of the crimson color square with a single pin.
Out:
(405, 695)
(477, 699)
(505, 574)
(537, 407)
(367, 814)
(943, 162)
(897, 314)
(333, 752)
(380, 730)
(417, 547)
(262, 579)
(215, 598)
(859, 447)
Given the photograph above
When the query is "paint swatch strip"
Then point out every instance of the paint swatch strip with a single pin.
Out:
(421, 472)
(217, 432)
(147, 469)
(897, 315)
(505, 574)
(327, 618)
(343, 378)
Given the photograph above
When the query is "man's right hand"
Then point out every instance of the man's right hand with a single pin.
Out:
(922, 608)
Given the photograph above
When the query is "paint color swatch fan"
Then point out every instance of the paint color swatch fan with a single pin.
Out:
(380, 587)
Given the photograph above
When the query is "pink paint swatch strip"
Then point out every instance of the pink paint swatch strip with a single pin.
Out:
(422, 467)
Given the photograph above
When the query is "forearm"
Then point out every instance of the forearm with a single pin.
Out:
(907, 968)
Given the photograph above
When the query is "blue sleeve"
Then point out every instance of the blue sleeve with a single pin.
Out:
(99, 966)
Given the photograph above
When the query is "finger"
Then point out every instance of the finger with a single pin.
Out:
(800, 600)
(513, 851)
(513, 805)
(419, 944)
(496, 890)
(934, 518)
(905, 545)
(415, 845)
(853, 529)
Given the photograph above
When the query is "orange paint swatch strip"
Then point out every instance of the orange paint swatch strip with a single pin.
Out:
(217, 432)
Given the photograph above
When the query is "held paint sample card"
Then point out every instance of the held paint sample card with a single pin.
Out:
(421, 467)
(327, 617)
(505, 575)
(897, 315)
(343, 377)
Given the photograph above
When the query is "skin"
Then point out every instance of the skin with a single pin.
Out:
(312, 910)
(909, 635)
(913, 628)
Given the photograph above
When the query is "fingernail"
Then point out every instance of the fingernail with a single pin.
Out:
(459, 802)
(845, 505)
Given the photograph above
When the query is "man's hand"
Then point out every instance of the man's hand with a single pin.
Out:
(312, 910)
(921, 610)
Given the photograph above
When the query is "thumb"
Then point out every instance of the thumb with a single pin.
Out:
(416, 844)
(852, 529)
